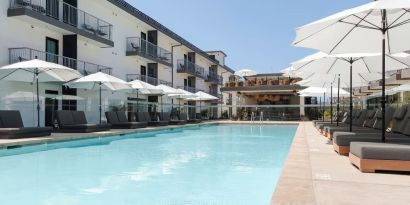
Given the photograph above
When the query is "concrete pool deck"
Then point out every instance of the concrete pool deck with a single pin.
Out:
(315, 174)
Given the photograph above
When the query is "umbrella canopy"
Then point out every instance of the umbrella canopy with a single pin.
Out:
(99, 81)
(318, 91)
(46, 71)
(183, 94)
(144, 88)
(202, 96)
(360, 29)
(339, 63)
(167, 90)
(379, 26)
(37, 71)
(245, 72)
(288, 71)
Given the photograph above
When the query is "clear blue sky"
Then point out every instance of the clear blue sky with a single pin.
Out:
(255, 34)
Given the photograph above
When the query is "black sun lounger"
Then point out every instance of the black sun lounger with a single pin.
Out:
(183, 116)
(166, 116)
(11, 127)
(76, 122)
(146, 117)
(371, 157)
(399, 131)
(118, 120)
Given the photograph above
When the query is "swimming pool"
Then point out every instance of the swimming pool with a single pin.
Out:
(204, 165)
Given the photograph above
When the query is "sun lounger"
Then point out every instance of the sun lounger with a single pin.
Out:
(371, 157)
(343, 117)
(76, 122)
(118, 120)
(359, 119)
(341, 140)
(166, 116)
(11, 127)
(146, 117)
(183, 116)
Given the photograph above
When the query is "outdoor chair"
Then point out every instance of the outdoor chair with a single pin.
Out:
(341, 140)
(118, 120)
(146, 117)
(76, 122)
(166, 116)
(11, 126)
(183, 116)
(371, 157)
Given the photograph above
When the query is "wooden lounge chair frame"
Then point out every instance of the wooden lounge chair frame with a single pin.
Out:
(372, 165)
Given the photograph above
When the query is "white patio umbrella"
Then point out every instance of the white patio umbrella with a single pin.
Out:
(245, 72)
(362, 29)
(202, 96)
(37, 71)
(99, 81)
(317, 91)
(167, 90)
(182, 95)
(339, 64)
(144, 88)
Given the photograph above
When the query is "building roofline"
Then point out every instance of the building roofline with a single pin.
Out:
(217, 51)
(155, 24)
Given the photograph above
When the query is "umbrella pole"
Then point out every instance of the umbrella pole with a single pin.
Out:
(137, 100)
(324, 106)
(384, 29)
(338, 101)
(38, 100)
(200, 110)
(331, 103)
(351, 96)
(100, 108)
(320, 107)
(162, 106)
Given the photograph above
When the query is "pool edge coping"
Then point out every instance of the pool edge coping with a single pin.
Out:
(65, 137)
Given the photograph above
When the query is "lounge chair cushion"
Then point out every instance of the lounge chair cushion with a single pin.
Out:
(381, 151)
(65, 117)
(24, 132)
(79, 117)
(111, 117)
(11, 119)
(121, 116)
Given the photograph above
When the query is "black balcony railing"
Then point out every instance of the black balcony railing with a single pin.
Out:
(214, 78)
(68, 14)
(185, 66)
(142, 47)
(85, 68)
(147, 79)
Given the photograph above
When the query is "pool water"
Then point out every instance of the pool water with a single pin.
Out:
(204, 165)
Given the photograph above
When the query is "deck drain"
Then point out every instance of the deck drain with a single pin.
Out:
(326, 177)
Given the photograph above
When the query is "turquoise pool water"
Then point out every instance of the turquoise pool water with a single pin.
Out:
(207, 165)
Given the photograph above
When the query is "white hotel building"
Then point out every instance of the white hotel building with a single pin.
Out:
(101, 35)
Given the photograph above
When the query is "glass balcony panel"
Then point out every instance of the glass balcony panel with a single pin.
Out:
(68, 14)
(85, 68)
(138, 45)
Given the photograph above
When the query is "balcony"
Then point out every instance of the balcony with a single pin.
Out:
(189, 89)
(148, 79)
(64, 18)
(85, 68)
(214, 78)
(145, 49)
(191, 68)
